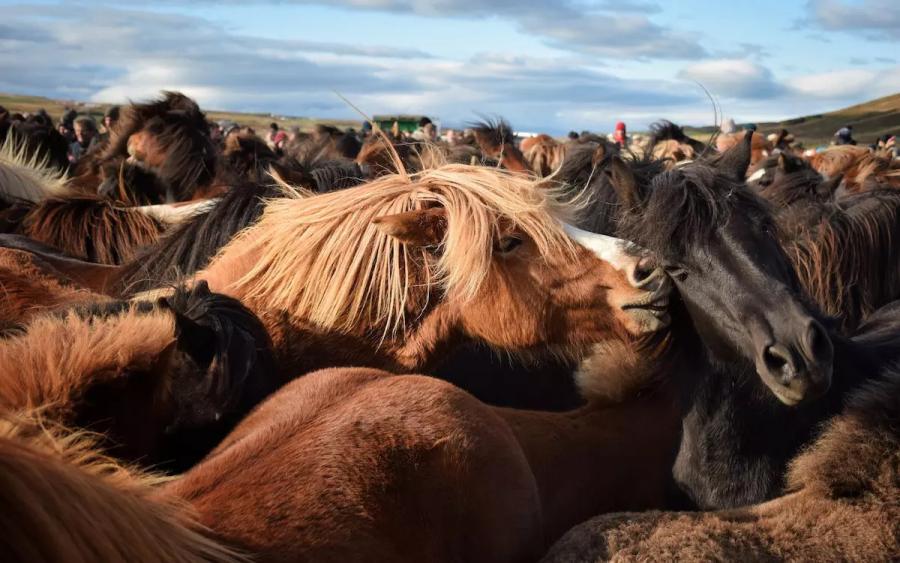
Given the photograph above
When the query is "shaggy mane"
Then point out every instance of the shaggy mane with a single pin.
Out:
(56, 359)
(324, 259)
(65, 501)
(684, 206)
(27, 178)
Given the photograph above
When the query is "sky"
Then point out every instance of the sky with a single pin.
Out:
(544, 66)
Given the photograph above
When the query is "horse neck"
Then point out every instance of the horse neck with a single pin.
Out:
(737, 438)
(588, 461)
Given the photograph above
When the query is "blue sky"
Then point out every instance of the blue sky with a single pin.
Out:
(550, 66)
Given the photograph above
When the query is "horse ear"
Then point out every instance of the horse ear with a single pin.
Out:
(623, 181)
(734, 162)
(423, 227)
(826, 188)
(196, 340)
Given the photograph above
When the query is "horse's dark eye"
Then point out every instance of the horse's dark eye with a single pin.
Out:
(676, 272)
(508, 244)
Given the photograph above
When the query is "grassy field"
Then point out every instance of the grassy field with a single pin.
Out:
(869, 120)
(259, 121)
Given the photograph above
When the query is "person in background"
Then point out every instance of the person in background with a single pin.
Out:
(365, 130)
(844, 136)
(728, 127)
(67, 125)
(423, 133)
(750, 127)
(276, 137)
(86, 138)
(620, 137)
(109, 121)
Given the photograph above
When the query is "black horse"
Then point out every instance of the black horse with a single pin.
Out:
(755, 357)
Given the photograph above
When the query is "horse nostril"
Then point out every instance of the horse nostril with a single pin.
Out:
(778, 362)
(817, 343)
(643, 271)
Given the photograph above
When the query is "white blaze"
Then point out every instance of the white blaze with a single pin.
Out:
(607, 248)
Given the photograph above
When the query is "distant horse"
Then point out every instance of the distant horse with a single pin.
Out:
(454, 252)
(859, 166)
(163, 381)
(668, 142)
(543, 154)
(497, 141)
(63, 501)
(843, 503)
(169, 137)
(760, 148)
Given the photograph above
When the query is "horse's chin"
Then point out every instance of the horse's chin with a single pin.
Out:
(645, 321)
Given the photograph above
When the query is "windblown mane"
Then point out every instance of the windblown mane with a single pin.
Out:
(189, 246)
(91, 228)
(837, 253)
(64, 501)
(27, 178)
(178, 125)
(667, 131)
(300, 249)
(56, 359)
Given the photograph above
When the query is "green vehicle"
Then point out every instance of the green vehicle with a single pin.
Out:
(407, 123)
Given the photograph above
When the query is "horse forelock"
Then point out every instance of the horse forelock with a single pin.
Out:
(322, 258)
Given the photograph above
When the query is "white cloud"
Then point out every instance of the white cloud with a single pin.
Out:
(879, 18)
(733, 78)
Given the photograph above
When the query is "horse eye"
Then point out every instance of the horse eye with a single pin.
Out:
(676, 272)
(508, 244)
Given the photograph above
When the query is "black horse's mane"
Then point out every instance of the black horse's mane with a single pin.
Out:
(684, 206)
(665, 130)
(190, 246)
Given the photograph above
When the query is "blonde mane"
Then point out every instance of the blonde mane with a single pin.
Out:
(28, 178)
(57, 358)
(65, 501)
(322, 259)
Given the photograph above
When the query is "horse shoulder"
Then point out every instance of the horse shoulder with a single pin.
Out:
(353, 462)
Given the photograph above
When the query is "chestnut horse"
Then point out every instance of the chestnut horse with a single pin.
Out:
(359, 464)
(169, 137)
(163, 381)
(450, 253)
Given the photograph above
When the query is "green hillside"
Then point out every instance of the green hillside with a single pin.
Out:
(870, 120)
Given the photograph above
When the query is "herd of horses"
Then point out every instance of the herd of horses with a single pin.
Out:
(415, 352)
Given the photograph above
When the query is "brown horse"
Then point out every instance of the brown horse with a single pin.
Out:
(843, 504)
(30, 286)
(163, 381)
(543, 154)
(359, 464)
(169, 137)
(496, 141)
(394, 273)
(63, 501)
(859, 167)
(760, 148)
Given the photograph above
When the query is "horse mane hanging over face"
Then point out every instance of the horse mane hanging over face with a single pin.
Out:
(683, 207)
(324, 259)
(182, 152)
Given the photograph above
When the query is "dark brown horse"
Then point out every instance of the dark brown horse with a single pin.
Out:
(163, 381)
